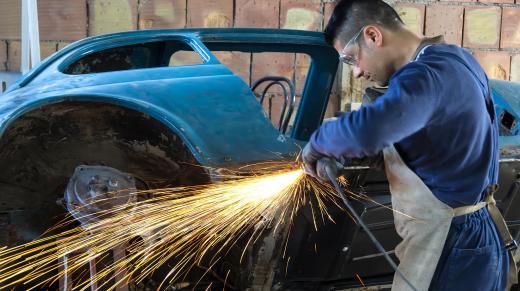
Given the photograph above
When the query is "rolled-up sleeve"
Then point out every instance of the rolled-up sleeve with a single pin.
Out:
(407, 107)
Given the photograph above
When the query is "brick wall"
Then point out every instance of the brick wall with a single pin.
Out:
(489, 28)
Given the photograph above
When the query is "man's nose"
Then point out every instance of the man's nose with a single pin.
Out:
(357, 72)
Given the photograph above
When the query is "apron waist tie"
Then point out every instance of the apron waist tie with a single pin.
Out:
(510, 244)
(463, 210)
(488, 200)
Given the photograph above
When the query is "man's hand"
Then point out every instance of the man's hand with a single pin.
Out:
(327, 169)
(316, 164)
(309, 159)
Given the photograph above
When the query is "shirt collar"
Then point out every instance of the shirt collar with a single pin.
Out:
(425, 42)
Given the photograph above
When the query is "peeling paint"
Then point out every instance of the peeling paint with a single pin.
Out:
(482, 26)
(498, 72)
(301, 18)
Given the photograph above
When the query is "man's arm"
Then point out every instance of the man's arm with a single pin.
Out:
(405, 108)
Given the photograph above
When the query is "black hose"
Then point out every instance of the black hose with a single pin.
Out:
(331, 170)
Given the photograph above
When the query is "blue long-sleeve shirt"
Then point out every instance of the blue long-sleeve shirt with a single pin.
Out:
(434, 111)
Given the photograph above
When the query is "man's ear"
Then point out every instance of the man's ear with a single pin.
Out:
(373, 35)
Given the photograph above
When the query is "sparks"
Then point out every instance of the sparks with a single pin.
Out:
(186, 223)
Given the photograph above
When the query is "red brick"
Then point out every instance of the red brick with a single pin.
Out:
(47, 48)
(10, 19)
(14, 57)
(276, 109)
(345, 74)
(272, 64)
(14, 60)
(510, 36)
(58, 20)
(62, 20)
(496, 64)
(257, 13)
(515, 68)
(3, 55)
(62, 44)
(327, 12)
(185, 58)
(482, 27)
(412, 15)
(275, 112)
(497, 1)
(301, 14)
(458, 0)
(446, 20)
(351, 88)
(333, 105)
(162, 14)
(303, 63)
(239, 63)
(210, 13)
(106, 16)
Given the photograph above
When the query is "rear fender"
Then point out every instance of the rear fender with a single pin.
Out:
(173, 123)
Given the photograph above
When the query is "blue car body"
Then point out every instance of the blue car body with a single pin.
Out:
(210, 108)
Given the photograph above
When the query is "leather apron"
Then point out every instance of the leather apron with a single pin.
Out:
(423, 223)
(421, 220)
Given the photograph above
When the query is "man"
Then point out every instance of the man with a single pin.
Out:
(436, 127)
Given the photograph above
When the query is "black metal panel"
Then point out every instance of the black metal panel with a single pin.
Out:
(342, 251)
(507, 197)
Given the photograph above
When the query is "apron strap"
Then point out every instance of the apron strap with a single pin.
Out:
(459, 211)
(510, 244)
(487, 95)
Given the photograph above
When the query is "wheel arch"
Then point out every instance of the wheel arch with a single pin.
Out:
(42, 147)
(171, 122)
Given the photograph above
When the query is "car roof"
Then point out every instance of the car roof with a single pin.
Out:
(239, 39)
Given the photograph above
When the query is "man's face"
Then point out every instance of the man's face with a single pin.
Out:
(365, 54)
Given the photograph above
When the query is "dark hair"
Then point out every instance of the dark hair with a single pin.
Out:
(351, 15)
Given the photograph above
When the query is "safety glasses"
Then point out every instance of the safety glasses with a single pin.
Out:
(348, 59)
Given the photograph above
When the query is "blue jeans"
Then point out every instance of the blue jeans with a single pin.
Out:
(474, 256)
